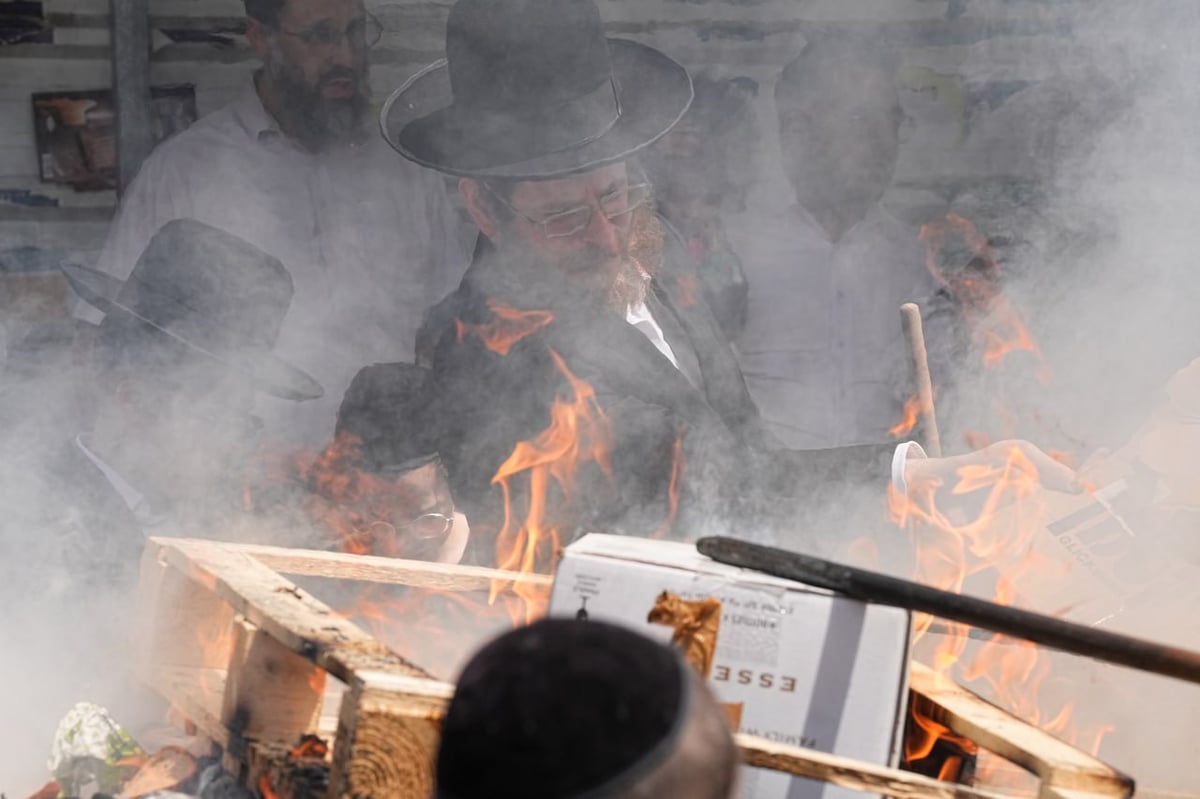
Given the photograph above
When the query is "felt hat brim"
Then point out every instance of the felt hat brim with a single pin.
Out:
(267, 372)
(422, 123)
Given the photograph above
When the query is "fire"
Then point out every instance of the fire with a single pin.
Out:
(689, 288)
(948, 549)
(436, 629)
(960, 259)
(266, 789)
(913, 408)
(678, 464)
(509, 327)
(578, 433)
(310, 746)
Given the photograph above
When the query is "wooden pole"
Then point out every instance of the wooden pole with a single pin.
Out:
(881, 589)
(914, 333)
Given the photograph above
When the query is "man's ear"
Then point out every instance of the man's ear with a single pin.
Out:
(259, 37)
(477, 206)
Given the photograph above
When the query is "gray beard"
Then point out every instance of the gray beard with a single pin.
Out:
(628, 288)
(315, 121)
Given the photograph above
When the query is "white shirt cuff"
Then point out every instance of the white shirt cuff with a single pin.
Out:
(899, 457)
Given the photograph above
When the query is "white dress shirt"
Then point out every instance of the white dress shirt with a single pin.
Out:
(640, 317)
(369, 238)
(822, 350)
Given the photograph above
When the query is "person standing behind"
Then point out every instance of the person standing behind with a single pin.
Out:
(828, 274)
(295, 167)
(701, 171)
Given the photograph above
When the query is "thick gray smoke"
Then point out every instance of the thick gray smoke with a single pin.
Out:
(1074, 148)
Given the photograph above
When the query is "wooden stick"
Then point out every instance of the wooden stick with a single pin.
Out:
(1057, 764)
(376, 569)
(914, 332)
(1123, 650)
(853, 774)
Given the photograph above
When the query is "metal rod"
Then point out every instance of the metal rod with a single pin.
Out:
(1123, 650)
(132, 105)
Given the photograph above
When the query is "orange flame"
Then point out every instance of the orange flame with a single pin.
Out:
(948, 550)
(678, 465)
(913, 408)
(265, 788)
(579, 432)
(310, 746)
(509, 327)
(997, 328)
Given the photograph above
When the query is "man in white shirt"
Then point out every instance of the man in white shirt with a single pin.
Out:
(295, 166)
(821, 350)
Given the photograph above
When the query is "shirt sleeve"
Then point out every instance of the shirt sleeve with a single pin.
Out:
(150, 201)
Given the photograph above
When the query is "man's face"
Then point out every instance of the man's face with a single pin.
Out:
(840, 152)
(599, 258)
(317, 62)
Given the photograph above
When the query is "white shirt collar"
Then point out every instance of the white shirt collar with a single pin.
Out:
(640, 317)
(253, 116)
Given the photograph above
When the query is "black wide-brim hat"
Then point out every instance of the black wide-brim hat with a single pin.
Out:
(208, 294)
(533, 89)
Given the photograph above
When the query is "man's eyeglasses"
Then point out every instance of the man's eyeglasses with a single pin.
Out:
(616, 207)
(361, 34)
(427, 527)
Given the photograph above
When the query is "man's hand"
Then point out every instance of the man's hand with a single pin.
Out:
(1050, 473)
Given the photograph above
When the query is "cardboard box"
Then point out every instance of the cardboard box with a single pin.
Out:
(796, 664)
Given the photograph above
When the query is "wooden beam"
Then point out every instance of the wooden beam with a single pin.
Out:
(854, 774)
(370, 568)
(1057, 764)
(289, 614)
(271, 693)
(386, 743)
(387, 728)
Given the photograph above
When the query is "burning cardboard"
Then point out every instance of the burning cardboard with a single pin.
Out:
(846, 695)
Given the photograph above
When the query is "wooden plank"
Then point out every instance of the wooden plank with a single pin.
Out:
(179, 623)
(369, 568)
(271, 693)
(1056, 763)
(386, 743)
(291, 615)
(388, 724)
(853, 774)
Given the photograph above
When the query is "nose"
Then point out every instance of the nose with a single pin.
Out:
(601, 232)
(343, 52)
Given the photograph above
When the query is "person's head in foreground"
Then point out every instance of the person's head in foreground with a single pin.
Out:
(566, 709)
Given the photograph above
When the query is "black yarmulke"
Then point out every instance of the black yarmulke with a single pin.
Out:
(561, 708)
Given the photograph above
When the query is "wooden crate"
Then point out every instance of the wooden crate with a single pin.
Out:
(262, 681)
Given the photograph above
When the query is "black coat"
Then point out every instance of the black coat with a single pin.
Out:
(732, 478)
(67, 538)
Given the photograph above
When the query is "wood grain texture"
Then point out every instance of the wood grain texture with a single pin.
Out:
(1059, 765)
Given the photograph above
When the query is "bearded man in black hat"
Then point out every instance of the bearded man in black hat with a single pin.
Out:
(183, 347)
(540, 115)
(293, 165)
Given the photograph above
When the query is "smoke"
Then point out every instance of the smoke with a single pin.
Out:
(1073, 149)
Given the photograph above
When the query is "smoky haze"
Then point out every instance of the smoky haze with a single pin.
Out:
(1073, 147)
